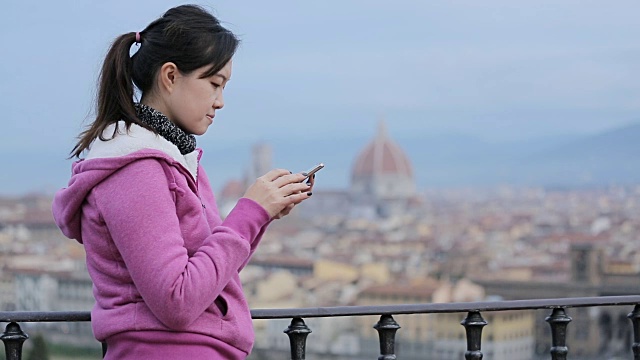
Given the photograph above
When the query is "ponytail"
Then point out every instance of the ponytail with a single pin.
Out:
(115, 93)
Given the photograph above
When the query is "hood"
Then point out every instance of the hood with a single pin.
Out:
(106, 157)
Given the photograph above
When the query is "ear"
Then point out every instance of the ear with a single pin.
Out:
(167, 77)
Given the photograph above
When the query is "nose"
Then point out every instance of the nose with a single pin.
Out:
(219, 102)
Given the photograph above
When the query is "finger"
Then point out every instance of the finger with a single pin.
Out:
(298, 192)
(294, 188)
(288, 179)
(298, 198)
(275, 174)
(287, 210)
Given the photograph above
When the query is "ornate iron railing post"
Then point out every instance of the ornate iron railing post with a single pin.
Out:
(387, 328)
(558, 320)
(13, 337)
(297, 333)
(473, 325)
(634, 316)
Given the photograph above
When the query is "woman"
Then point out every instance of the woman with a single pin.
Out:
(164, 265)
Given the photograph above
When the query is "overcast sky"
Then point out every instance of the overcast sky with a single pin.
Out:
(498, 70)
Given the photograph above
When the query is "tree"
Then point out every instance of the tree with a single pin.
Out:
(39, 351)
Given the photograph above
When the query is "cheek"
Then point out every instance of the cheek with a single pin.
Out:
(196, 100)
(207, 95)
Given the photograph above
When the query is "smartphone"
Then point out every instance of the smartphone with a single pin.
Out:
(313, 170)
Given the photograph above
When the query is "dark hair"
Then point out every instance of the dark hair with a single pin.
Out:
(186, 35)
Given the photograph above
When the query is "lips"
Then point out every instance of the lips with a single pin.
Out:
(210, 117)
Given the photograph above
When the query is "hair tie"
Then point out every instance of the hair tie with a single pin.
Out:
(138, 38)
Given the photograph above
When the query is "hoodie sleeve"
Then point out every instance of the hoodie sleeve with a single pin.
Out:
(236, 216)
(138, 209)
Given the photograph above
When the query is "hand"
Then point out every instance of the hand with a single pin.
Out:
(278, 189)
(290, 207)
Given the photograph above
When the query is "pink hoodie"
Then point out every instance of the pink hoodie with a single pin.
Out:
(163, 264)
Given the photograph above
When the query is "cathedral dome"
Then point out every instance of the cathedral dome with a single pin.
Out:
(382, 174)
(381, 157)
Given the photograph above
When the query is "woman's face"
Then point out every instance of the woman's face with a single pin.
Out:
(194, 100)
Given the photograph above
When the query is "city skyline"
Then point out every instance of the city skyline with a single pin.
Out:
(511, 245)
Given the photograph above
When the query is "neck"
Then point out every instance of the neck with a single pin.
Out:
(159, 123)
(156, 104)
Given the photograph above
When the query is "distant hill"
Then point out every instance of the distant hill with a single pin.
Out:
(438, 161)
(608, 158)
(461, 160)
(623, 142)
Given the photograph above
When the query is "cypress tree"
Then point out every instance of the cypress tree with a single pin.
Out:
(39, 351)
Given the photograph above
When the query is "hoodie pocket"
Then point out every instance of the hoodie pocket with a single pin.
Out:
(220, 307)
(223, 307)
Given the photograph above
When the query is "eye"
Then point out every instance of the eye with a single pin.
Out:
(215, 85)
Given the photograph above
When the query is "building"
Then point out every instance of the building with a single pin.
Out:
(441, 336)
(382, 181)
(261, 155)
(382, 170)
(382, 185)
(233, 189)
(508, 336)
(602, 331)
(46, 284)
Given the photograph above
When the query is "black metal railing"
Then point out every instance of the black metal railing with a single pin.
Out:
(13, 336)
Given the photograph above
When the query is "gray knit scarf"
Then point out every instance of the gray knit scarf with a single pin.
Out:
(153, 118)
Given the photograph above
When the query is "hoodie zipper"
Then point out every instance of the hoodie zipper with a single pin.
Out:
(195, 181)
(198, 189)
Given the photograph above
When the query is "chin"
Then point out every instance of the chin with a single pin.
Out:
(200, 131)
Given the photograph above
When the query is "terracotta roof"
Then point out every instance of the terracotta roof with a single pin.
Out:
(401, 290)
(576, 238)
(232, 189)
(381, 156)
(34, 217)
(283, 261)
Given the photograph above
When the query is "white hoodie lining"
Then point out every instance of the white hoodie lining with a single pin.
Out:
(139, 138)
